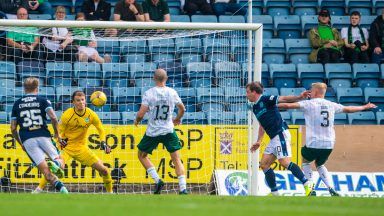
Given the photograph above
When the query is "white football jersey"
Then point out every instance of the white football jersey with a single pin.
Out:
(319, 117)
(161, 102)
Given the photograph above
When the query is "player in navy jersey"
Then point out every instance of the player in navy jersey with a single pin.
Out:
(29, 113)
(267, 113)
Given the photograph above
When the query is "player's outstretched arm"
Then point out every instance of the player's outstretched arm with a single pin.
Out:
(140, 115)
(15, 133)
(288, 106)
(352, 109)
(180, 114)
(292, 98)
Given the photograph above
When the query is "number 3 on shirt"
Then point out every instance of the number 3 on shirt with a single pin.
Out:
(162, 112)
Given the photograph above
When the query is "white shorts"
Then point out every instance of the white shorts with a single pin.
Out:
(90, 51)
(38, 147)
(280, 145)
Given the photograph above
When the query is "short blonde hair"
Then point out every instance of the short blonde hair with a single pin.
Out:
(321, 86)
(61, 9)
(31, 84)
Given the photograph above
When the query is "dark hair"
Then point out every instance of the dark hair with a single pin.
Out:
(255, 87)
(355, 13)
(77, 93)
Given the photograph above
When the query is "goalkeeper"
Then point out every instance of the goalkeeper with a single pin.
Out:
(73, 129)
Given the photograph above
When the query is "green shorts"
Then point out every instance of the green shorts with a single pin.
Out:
(320, 156)
(170, 141)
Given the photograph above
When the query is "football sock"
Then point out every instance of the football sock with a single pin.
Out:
(307, 170)
(182, 183)
(296, 171)
(270, 177)
(324, 175)
(108, 182)
(43, 182)
(58, 185)
(152, 172)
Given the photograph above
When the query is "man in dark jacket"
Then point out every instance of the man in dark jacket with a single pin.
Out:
(376, 39)
(11, 6)
(96, 10)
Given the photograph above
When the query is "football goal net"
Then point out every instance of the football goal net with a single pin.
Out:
(208, 64)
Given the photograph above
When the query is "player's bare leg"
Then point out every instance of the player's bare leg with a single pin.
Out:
(179, 172)
(151, 170)
(104, 172)
(51, 178)
(296, 171)
(270, 177)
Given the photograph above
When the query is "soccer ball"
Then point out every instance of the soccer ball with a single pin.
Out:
(98, 98)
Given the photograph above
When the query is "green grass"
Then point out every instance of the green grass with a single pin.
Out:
(196, 205)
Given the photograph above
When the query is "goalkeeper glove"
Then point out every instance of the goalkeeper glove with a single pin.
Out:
(63, 142)
(104, 146)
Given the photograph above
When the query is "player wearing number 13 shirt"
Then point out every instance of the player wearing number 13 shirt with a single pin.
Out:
(159, 103)
(319, 115)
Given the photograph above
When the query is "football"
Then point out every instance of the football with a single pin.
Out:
(98, 98)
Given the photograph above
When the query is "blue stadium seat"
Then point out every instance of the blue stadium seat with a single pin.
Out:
(142, 70)
(264, 73)
(109, 117)
(362, 118)
(116, 71)
(186, 58)
(305, 7)
(232, 82)
(366, 75)
(47, 92)
(241, 117)
(31, 68)
(181, 18)
(214, 45)
(105, 108)
(40, 16)
(144, 82)
(310, 73)
(115, 82)
(363, 6)
(298, 50)
(374, 95)
(340, 22)
(308, 22)
(218, 57)
(378, 5)
(267, 22)
(287, 26)
(194, 118)
(86, 83)
(87, 70)
(335, 7)
(291, 91)
(128, 117)
(174, 70)
(189, 45)
(271, 91)
(200, 82)
(174, 11)
(286, 117)
(212, 107)
(298, 118)
(136, 46)
(189, 98)
(64, 93)
(70, 17)
(277, 7)
(130, 95)
(221, 118)
(239, 48)
(204, 18)
(350, 95)
(128, 107)
(257, 6)
(339, 75)
(3, 117)
(341, 119)
(8, 70)
(231, 19)
(380, 118)
(238, 107)
(273, 51)
(137, 58)
(210, 94)
(158, 46)
(330, 94)
(235, 95)
(366, 21)
(283, 75)
(108, 46)
(7, 83)
(58, 69)
(228, 70)
(200, 73)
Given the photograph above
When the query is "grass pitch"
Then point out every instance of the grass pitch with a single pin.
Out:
(196, 205)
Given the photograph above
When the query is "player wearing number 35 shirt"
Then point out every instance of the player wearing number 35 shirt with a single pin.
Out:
(159, 102)
(29, 113)
(319, 115)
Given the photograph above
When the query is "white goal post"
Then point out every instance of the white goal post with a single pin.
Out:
(254, 67)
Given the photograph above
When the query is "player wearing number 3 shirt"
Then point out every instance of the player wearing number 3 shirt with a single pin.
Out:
(159, 102)
(319, 115)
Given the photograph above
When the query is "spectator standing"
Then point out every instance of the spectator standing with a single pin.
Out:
(325, 40)
(355, 40)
